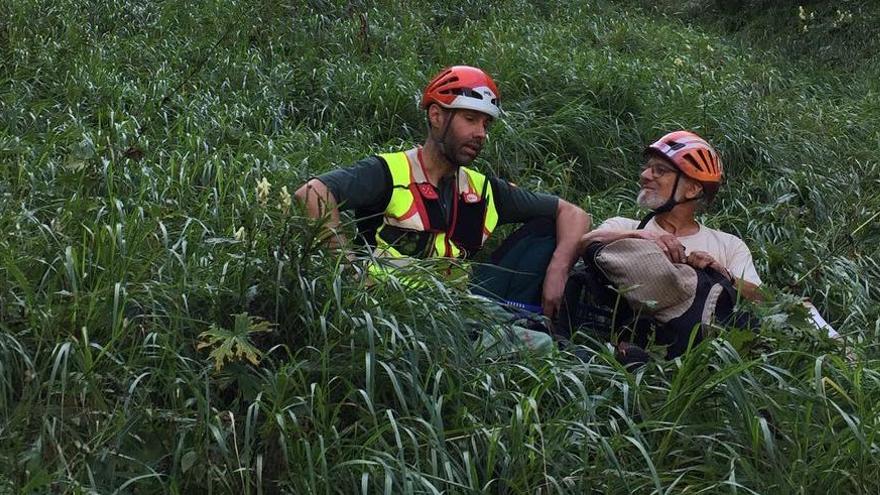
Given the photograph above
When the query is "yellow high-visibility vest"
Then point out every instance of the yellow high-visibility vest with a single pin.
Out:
(415, 222)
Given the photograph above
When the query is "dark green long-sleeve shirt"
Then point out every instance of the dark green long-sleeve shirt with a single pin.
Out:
(366, 186)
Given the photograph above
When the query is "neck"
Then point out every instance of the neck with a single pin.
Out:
(435, 163)
(679, 221)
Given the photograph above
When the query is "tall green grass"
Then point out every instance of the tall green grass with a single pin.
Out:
(137, 256)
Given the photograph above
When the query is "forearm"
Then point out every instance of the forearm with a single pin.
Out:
(604, 236)
(571, 225)
(747, 290)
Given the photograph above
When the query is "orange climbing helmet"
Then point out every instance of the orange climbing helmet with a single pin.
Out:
(693, 156)
(463, 87)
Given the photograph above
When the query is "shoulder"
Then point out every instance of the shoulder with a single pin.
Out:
(516, 205)
(373, 165)
(497, 183)
(732, 243)
(365, 183)
(618, 223)
(727, 237)
(369, 163)
(372, 161)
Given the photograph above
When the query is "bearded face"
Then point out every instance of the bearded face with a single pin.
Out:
(650, 199)
(464, 135)
(462, 143)
(658, 179)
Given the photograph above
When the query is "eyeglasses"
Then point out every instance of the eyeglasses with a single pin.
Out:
(658, 169)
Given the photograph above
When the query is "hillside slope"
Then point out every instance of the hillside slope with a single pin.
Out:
(163, 328)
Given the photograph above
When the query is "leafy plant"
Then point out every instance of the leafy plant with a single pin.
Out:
(233, 345)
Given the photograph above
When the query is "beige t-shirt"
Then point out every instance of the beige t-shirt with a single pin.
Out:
(727, 249)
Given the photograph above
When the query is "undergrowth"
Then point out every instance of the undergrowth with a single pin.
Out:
(164, 328)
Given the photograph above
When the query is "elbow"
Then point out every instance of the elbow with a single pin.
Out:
(749, 291)
(573, 214)
(310, 188)
(316, 198)
(302, 192)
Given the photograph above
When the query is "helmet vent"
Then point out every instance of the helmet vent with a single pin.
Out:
(470, 94)
(675, 146)
(707, 159)
(693, 162)
(713, 164)
(467, 92)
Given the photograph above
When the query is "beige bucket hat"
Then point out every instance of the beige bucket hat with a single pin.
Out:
(645, 277)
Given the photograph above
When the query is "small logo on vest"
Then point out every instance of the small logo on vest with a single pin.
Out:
(471, 198)
(427, 191)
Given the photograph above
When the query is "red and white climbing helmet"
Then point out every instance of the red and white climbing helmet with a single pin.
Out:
(463, 87)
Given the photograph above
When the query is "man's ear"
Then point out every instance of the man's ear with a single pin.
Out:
(435, 116)
(692, 189)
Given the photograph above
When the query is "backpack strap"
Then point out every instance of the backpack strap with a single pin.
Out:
(647, 218)
(591, 304)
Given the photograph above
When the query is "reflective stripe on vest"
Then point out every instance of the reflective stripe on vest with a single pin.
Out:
(406, 210)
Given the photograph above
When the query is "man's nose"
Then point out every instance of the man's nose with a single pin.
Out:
(480, 132)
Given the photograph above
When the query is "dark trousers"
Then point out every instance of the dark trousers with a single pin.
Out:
(515, 274)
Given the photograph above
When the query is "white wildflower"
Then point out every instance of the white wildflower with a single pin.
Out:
(286, 201)
(263, 188)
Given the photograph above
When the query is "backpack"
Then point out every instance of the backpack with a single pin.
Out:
(630, 289)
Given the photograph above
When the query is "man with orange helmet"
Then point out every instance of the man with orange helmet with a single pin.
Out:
(681, 171)
(427, 201)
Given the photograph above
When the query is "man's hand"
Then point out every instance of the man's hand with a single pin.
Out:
(554, 288)
(702, 259)
(571, 225)
(672, 248)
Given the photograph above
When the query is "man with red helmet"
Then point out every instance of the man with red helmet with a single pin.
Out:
(428, 202)
(681, 171)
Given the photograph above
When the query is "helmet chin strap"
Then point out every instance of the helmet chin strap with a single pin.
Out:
(442, 141)
(668, 205)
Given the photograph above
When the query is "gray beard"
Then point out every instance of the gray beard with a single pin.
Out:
(649, 200)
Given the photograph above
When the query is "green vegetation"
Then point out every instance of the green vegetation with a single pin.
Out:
(165, 330)
(835, 36)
